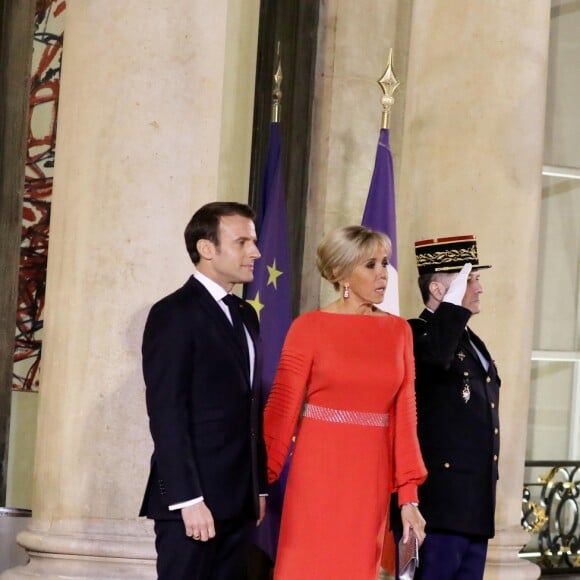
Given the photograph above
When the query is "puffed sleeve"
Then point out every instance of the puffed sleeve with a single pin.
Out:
(409, 469)
(287, 395)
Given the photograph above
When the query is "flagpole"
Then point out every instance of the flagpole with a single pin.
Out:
(270, 295)
(277, 89)
(380, 208)
(388, 83)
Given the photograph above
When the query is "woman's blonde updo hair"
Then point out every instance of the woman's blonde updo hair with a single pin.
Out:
(342, 249)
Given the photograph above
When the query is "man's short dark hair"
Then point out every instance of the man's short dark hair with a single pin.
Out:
(204, 224)
(424, 280)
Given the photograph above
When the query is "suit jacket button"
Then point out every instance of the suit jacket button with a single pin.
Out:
(495, 457)
(488, 380)
(447, 465)
(493, 405)
(496, 430)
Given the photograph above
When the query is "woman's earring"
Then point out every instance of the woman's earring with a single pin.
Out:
(346, 291)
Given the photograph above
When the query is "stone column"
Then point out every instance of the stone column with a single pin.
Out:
(471, 163)
(144, 85)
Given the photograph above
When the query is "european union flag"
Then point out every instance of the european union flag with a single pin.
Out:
(269, 294)
(380, 214)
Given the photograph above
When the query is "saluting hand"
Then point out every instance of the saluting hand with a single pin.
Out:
(458, 286)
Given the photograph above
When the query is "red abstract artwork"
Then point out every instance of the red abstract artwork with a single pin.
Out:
(45, 81)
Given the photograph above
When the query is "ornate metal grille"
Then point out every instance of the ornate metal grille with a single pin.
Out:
(550, 513)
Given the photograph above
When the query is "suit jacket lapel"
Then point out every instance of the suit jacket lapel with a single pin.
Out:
(249, 318)
(218, 316)
(250, 326)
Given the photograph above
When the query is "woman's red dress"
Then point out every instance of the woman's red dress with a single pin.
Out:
(342, 473)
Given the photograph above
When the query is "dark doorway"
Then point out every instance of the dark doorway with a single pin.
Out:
(293, 24)
(16, 31)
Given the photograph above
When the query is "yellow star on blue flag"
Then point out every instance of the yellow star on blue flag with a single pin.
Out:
(270, 290)
(256, 303)
(273, 274)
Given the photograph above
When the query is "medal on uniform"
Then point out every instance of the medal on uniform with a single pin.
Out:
(461, 355)
(466, 392)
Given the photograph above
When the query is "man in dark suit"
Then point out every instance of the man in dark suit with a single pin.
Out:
(201, 363)
(457, 388)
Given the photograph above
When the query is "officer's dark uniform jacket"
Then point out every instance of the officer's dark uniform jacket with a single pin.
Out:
(457, 423)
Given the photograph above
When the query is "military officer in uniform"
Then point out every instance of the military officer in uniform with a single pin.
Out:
(457, 388)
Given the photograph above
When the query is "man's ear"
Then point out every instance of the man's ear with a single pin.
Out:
(436, 291)
(205, 249)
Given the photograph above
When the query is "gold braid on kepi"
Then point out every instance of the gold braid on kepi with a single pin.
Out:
(447, 255)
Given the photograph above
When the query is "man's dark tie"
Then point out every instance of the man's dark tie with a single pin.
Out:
(234, 306)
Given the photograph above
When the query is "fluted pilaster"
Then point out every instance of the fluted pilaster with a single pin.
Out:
(144, 91)
(471, 163)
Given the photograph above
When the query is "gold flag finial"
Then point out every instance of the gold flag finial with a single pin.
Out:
(388, 83)
(277, 88)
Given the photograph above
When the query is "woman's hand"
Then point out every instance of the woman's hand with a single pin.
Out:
(412, 518)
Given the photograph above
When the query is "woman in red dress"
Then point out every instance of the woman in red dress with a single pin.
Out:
(345, 386)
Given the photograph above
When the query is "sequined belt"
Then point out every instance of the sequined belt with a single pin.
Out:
(340, 416)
